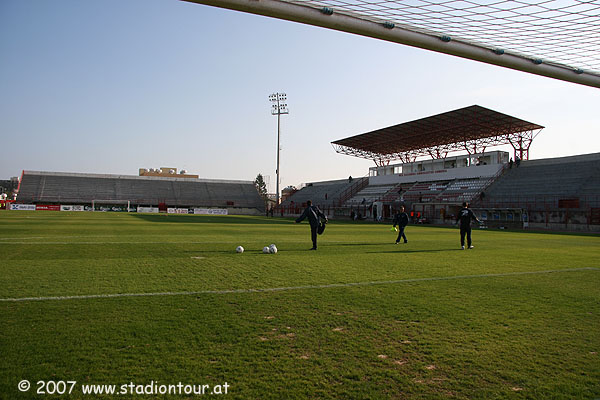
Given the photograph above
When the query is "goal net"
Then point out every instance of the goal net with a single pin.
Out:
(555, 38)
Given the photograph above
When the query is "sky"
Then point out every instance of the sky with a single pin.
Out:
(116, 85)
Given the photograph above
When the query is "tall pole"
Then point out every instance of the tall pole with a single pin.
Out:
(279, 107)
(278, 151)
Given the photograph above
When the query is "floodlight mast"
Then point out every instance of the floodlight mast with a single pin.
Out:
(278, 108)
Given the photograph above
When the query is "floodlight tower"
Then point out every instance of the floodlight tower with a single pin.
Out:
(278, 108)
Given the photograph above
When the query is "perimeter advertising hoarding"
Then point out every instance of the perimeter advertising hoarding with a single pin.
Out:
(147, 209)
(72, 208)
(47, 207)
(23, 207)
(172, 210)
(211, 211)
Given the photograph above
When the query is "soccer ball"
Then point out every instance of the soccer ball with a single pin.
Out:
(266, 250)
(239, 249)
(273, 249)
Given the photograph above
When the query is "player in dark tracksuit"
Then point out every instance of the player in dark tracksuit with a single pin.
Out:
(401, 219)
(465, 216)
(313, 214)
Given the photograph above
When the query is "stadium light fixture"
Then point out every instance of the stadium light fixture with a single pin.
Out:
(278, 108)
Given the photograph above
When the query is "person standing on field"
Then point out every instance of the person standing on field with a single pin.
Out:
(464, 218)
(401, 219)
(314, 215)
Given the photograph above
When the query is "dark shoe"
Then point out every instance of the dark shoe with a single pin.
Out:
(406, 241)
(314, 248)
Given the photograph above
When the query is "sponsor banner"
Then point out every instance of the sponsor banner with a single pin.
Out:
(211, 211)
(23, 207)
(47, 207)
(147, 209)
(72, 208)
(106, 208)
(173, 210)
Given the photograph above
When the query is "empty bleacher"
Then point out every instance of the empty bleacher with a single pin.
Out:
(320, 193)
(462, 190)
(67, 188)
(424, 191)
(370, 194)
(558, 178)
(412, 192)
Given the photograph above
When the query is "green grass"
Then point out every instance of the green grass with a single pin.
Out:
(479, 328)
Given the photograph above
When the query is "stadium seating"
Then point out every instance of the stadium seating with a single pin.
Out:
(412, 192)
(49, 187)
(462, 190)
(424, 191)
(566, 177)
(420, 192)
(370, 194)
(320, 193)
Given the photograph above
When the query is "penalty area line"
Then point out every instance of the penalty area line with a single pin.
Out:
(290, 288)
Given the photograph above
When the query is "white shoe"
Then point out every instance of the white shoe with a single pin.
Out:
(463, 247)
(470, 247)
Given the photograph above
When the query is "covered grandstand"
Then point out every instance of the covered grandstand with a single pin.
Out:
(561, 193)
(39, 187)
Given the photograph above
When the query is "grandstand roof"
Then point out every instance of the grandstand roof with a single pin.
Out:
(471, 128)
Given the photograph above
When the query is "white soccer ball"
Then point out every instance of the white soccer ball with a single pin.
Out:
(239, 249)
(266, 250)
(273, 249)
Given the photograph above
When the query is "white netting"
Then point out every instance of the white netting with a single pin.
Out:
(565, 32)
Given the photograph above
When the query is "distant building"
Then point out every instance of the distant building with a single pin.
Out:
(168, 172)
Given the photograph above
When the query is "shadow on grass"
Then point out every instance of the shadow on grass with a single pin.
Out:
(403, 251)
(212, 219)
(354, 244)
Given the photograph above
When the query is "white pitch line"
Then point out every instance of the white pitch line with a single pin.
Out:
(23, 238)
(289, 288)
(98, 243)
(145, 242)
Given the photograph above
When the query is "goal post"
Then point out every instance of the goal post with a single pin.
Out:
(380, 24)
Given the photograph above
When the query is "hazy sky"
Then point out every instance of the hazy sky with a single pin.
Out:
(115, 85)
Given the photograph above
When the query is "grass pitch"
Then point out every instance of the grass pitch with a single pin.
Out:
(361, 318)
